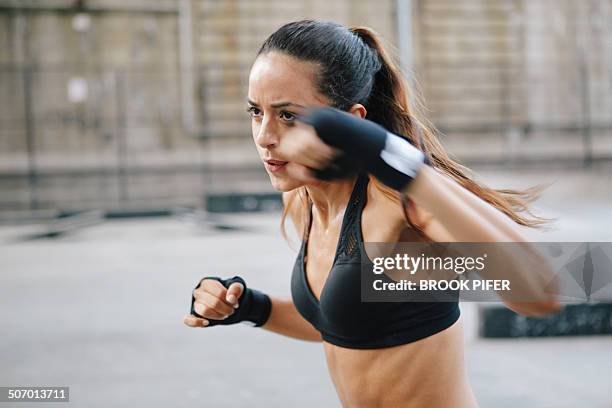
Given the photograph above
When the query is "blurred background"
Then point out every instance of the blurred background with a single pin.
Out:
(127, 172)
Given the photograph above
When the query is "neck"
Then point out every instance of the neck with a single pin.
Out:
(329, 199)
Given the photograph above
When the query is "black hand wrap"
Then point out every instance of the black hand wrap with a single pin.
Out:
(389, 157)
(253, 305)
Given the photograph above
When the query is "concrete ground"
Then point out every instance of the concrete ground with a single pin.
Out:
(100, 310)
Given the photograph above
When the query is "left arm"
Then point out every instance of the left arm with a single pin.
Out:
(468, 218)
(465, 215)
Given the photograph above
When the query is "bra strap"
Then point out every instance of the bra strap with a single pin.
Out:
(350, 228)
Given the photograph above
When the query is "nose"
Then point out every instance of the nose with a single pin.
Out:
(267, 135)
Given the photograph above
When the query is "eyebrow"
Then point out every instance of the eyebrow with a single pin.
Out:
(278, 104)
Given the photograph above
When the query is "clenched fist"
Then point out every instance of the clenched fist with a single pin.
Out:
(217, 301)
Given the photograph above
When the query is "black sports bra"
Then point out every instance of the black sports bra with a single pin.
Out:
(340, 315)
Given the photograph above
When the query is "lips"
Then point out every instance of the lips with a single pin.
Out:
(274, 165)
(276, 162)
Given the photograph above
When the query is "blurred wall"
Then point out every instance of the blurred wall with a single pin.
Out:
(520, 79)
(115, 104)
(109, 50)
(89, 96)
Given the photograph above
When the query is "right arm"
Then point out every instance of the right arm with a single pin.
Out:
(286, 320)
(214, 302)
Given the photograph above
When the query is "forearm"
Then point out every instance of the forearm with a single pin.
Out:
(286, 320)
(464, 215)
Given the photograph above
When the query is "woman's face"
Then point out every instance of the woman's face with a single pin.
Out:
(280, 86)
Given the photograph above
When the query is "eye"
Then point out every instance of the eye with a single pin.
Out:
(253, 111)
(288, 116)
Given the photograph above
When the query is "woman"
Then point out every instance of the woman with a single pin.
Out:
(346, 181)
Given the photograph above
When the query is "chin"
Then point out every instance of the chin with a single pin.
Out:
(284, 184)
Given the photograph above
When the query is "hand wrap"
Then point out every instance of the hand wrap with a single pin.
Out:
(253, 306)
(390, 158)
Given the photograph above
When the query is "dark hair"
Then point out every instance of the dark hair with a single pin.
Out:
(350, 69)
(356, 68)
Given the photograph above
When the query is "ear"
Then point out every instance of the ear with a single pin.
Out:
(358, 110)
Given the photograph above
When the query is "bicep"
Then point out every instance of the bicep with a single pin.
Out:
(431, 227)
(401, 214)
